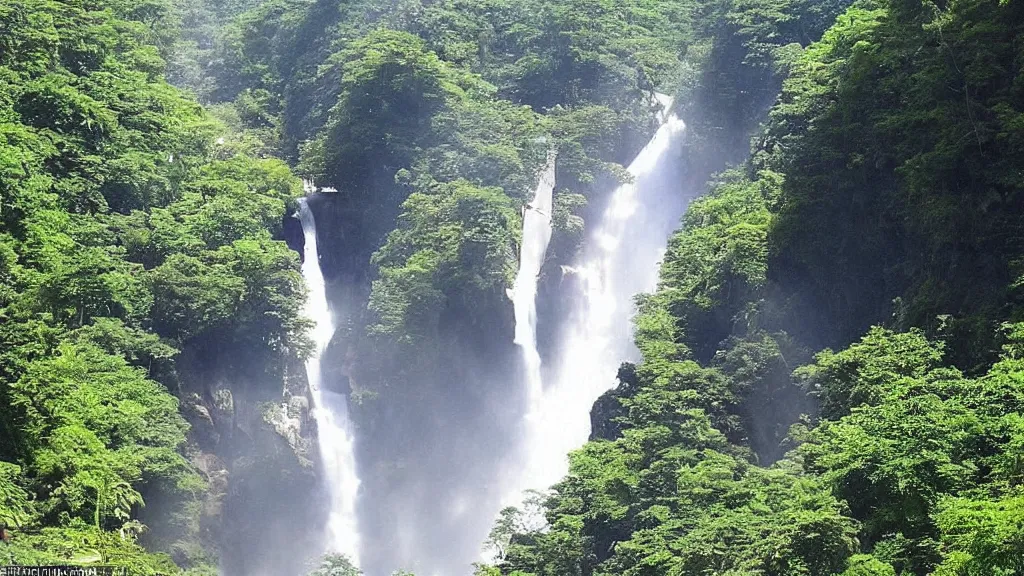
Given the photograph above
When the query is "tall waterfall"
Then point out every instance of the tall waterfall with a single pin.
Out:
(337, 449)
(536, 236)
(619, 261)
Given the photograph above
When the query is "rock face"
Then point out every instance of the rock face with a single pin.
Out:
(291, 228)
(603, 424)
(257, 451)
(290, 420)
(608, 410)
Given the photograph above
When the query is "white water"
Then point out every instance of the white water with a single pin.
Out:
(534, 246)
(330, 410)
(619, 261)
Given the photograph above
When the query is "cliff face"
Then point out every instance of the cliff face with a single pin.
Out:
(253, 440)
(258, 454)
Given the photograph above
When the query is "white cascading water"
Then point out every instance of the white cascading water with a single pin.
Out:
(619, 261)
(337, 449)
(534, 246)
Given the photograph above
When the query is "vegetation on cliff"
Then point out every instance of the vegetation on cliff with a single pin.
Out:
(135, 232)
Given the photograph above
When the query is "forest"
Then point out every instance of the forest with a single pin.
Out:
(828, 377)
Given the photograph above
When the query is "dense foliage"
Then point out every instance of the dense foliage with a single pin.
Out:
(130, 238)
(833, 362)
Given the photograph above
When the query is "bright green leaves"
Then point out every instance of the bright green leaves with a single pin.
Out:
(709, 308)
(53, 103)
(892, 146)
(401, 107)
(983, 537)
(453, 249)
(247, 291)
(865, 372)
(487, 141)
(752, 520)
(596, 52)
(670, 499)
(916, 464)
(15, 506)
(416, 142)
(83, 544)
(229, 200)
(140, 348)
(91, 283)
(126, 233)
(192, 296)
(391, 87)
(866, 565)
(88, 83)
(405, 300)
(97, 427)
(29, 36)
(91, 481)
(335, 565)
(675, 391)
(410, 128)
(99, 433)
(82, 385)
(268, 324)
(916, 434)
(717, 262)
(68, 270)
(868, 186)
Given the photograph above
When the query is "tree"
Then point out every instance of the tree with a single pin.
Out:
(335, 565)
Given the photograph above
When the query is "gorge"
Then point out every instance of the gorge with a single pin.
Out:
(512, 287)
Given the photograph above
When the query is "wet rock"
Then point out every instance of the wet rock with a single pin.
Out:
(607, 412)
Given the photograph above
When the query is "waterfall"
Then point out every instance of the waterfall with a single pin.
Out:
(536, 236)
(619, 261)
(330, 409)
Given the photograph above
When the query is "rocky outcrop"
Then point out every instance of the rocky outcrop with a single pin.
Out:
(258, 457)
(607, 413)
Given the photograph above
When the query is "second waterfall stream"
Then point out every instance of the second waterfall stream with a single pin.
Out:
(334, 429)
(536, 236)
(619, 260)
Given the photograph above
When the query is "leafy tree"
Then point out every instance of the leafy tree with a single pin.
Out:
(335, 565)
(15, 506)
(925, 435)
(865, 565)
(982, 536)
